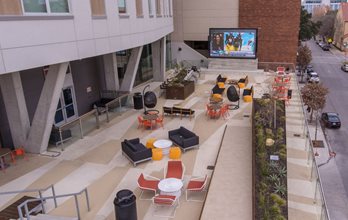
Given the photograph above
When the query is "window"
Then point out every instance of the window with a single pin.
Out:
(98, 7)
(46, 6)
(122, 7)
(139, 7)
(13, 7)
(150, 8)
(158, 8)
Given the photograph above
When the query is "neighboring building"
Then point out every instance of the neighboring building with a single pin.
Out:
(277, 32)
(341, 27)
(310, 5)
(57, 56)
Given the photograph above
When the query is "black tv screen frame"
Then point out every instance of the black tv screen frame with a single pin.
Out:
(234, 43)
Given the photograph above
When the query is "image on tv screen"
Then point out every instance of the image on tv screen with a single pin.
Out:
(232, 43)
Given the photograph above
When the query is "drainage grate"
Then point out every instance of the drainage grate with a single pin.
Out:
(297, 135)
(246, 116)
(210, 167)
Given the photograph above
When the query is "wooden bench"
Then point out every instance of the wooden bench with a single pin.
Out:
(177, 111)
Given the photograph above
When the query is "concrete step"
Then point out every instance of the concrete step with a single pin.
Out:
(11, 211)
(51, 217)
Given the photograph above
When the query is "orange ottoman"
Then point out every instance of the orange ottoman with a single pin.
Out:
(149, 143)
(241, 85)
(248, 98)
(157, 154)
(175, 153)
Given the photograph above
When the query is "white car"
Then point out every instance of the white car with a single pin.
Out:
(313, 77)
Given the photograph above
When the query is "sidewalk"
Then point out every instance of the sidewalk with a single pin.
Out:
(333, 188)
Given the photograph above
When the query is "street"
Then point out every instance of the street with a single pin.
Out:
(328, 65)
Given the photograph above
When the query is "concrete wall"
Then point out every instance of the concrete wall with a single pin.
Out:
(85, 74)
(193, 18)
(33, 41)
(32, 82)
(278, 32)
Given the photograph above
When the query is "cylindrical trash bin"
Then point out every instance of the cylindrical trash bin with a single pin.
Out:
(138, 100)
(125, 205)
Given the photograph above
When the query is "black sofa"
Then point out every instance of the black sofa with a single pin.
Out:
(217, 90)
(184, 138)
(135, 151)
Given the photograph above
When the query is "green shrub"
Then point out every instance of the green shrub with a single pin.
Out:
(282, 154)
(273, 178)
(281, 171)
(269, 133)
(280, 189)
(275, 210)
(278, 200)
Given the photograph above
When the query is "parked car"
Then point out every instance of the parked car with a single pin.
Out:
(325, 47)
(344, 67)
(321, 44)
(331, 120)
(309, 69)
(313, 77)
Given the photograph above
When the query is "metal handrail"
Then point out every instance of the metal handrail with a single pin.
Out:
(313, 155)
(35, 190)
(42, 199)
(79, 120)
(118, 99)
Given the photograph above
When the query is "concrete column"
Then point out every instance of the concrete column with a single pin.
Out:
(46, 109)
(159, 59)
(132, 67)
(16, 108)
(111, 74)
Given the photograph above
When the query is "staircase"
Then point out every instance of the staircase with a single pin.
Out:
(11, 212)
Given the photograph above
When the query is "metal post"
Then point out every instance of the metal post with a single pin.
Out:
(97, 119)
(77, 207)
(42, 204)
(80, 123)
(107, 113)
(54, 197)
(87, 199)
(19, 209)
(26, 211)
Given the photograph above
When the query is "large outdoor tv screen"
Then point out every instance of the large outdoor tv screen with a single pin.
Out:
(232, 43)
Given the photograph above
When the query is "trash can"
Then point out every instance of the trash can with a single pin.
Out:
(125, 205)
(138, 100)
(289, 94)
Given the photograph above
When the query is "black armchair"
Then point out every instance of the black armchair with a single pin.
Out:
(135, 151)
(221, 79)
(184, 138)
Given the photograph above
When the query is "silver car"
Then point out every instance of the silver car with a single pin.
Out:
(313, 77)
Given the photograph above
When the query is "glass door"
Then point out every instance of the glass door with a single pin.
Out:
(66, 109)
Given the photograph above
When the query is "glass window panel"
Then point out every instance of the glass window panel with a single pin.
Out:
(150, 7)
(122, 6)
(70, 111)
(59, 6)
(145, 69)
(35, 6)
(59, 105)
(67, 96)
(59, 116)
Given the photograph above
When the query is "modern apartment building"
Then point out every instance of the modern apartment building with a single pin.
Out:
(56, 56)
(309, 5)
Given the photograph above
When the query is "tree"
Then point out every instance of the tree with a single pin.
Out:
(304, 57)
(327, 28)
(308, 28)
(314, 96)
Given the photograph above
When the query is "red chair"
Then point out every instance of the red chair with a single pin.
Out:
(174, 169)
(149, 185)
(196, 185)
(224, 111)
(166, 201)
(140, 121)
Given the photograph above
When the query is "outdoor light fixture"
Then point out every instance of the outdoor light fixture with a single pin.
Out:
(269, 142)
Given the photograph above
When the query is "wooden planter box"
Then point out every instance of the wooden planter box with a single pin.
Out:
(174, 92)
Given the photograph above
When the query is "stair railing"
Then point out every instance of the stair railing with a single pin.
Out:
(40, 191)
(42, 199)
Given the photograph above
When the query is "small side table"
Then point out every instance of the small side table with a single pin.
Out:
(164, 145)
(170, 186)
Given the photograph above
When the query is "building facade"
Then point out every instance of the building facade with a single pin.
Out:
(340, 39)
(277, 32)
(310, 5)
(57, 56)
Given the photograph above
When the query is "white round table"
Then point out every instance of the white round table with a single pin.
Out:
(170, 186)
(164, 145)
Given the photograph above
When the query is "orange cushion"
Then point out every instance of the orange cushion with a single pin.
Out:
(241, 85)
(157, 154)
(221, 85)
(149, 142)
(248, 98)
(174, 153)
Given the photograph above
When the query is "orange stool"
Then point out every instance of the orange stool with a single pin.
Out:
(149, 143)
(157, 154)
(175, 153)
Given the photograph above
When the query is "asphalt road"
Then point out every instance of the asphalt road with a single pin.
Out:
(327, 64)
